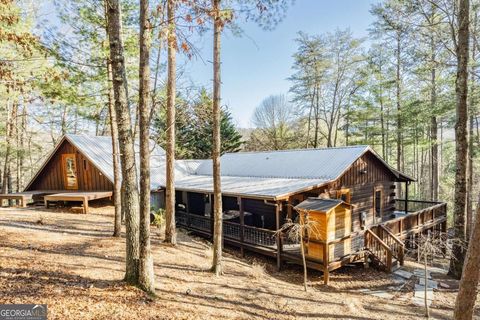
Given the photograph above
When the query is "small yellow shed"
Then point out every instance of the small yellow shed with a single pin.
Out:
(330, 225)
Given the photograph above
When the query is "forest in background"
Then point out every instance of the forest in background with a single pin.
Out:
(100, 69)
(394, 90)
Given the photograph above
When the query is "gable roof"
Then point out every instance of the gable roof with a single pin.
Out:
(324, 164)
(275, 174)
(269, 174)
(98, 150)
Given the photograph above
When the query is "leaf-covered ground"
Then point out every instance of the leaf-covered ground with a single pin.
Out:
(70, 262)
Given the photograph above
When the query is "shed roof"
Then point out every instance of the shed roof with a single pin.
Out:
(318, 204)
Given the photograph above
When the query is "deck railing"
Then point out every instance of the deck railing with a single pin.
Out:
(421, 214)
(231, 230)
(414, 205)
(385, 240)
(380, 251)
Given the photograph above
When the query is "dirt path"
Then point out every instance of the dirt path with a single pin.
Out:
(69, 261)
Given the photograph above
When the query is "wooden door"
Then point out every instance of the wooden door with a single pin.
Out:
(70, 175)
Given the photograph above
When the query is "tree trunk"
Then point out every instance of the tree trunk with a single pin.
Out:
(117, 183)
(170, 231)
(302, 247)
(146, 277)
(399, 116)
(461, 146)
(317, 115)
(433, 126)
(471, 108)
(23, 137)
(217, 195)
(382, 124)
(425, 278)
(470, 169)
(11, 116)
(468, 289)
(126, 142)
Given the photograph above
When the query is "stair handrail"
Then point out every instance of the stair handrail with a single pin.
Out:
(388, 262)
(391, 234)
(399, 242)
(377, 238)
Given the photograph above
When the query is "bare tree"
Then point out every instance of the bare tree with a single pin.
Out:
(146, 276)
(126, 141)
(431, 245)
(217, 265)
(273, 121)
(297, 231)
(170, 231)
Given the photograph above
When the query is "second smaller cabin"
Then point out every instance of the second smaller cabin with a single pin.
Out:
(330, 222)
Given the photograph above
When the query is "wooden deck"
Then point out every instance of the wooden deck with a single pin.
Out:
(386, 240)
(83, 197)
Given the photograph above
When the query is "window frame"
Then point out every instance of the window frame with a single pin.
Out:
(65, 158)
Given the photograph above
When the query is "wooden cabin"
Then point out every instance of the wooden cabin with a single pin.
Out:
(80, 169)
(351, 191)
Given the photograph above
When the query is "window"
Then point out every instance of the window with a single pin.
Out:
(70, 171)
(345, 195)
(378, 202)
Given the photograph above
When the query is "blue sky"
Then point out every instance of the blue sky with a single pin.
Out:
(259, 63)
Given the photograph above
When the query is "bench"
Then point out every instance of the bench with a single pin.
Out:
(21, 197)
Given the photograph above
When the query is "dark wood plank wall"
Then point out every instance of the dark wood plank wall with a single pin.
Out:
(362, 186)
(52, 176)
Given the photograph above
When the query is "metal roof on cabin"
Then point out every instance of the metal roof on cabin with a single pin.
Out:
(189, 167)
(247, 186)
(318, 204)
(98, 149)
(325, 164)
(268, 174)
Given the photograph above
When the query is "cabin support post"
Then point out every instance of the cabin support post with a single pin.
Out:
(85, 205)
(406, 196)
(278, 238)
(289, 207)
(242, 223)
(326, 272)
(211, 216)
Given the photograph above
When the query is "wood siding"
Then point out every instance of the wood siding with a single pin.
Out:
(52, 177)
(362, 178)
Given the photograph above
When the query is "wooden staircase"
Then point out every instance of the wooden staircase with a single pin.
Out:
(384, 248)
